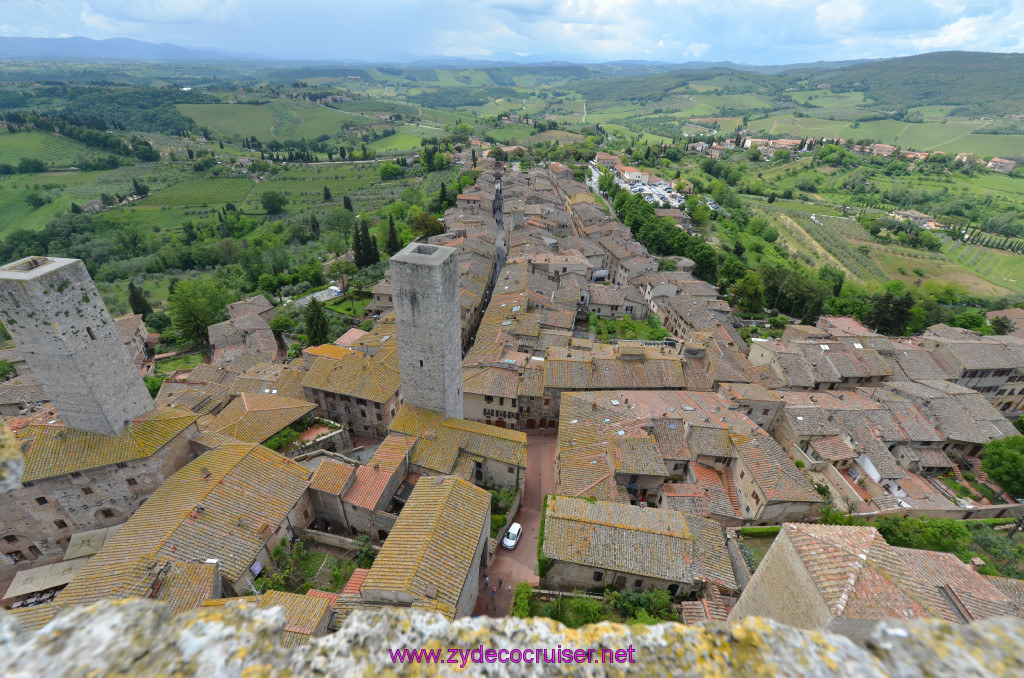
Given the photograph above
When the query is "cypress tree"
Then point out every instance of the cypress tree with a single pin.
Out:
(358, 249)
(317, 329)
(392, 244)
(374, 250)
(347, 203)
(137, 300)
(327, 194)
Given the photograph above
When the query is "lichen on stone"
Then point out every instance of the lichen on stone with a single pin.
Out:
(142, 638)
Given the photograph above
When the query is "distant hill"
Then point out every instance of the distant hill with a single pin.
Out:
(112, 48)
(981, 83)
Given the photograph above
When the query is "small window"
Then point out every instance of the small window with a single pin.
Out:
(107, 513)
(42, 501)
(742, 473)
(421, 363)
(92, 335)
(638, 583)
(60, 524)
(10, 538)
(305, 514)
(598, 576)
(132, 482)
(765, 411)
(87, 491)
(122, 464)
(76, 474)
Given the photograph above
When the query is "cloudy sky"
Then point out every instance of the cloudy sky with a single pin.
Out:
(754, 31)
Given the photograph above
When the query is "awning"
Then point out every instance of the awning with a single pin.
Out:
(44, 577)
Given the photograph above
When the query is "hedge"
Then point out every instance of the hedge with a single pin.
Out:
(767, 531)
(543, 564)
(521, 600)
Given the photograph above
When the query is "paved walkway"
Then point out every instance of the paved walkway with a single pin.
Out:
(540, 467)
(520, 564)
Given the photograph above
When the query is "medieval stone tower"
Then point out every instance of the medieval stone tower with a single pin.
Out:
(59, 322)
(425, 280)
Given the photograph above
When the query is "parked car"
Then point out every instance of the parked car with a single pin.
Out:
(512, 536)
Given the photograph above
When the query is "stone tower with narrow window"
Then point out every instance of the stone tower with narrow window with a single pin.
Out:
(425, 280)
(53, 311)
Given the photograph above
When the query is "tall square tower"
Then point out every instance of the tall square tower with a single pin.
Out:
(59, 322)
(425, 282)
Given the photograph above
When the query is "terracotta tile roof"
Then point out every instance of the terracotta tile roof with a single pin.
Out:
(719, 501)
(685, 497)
(591, 422)
(657, 543)
(54, 450)
(302, 614)
(331, 476)
(254, 417)
(430, 551)
(23, 389)
(356, 374)
(273, 379)
(354, 334)
(773, 470)
(35, 617)
(860, 576)
(492, 381)
(373, 477)
(832, 448)
(355, 582)
(959, 413)
(198, 398)
(218, 506)
(441, 439)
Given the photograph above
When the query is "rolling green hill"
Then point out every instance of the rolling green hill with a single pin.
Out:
(978, 82)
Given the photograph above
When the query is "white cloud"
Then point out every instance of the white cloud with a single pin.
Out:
(839, 14)
(95, 22)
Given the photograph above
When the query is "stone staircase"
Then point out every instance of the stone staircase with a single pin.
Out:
(730, 489)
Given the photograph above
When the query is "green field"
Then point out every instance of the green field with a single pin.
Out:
(52, 149)
(283, 119)
(408, 138)
(203, 191)
(954, 136)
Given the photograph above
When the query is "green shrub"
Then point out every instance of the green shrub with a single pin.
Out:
(521, 600)
(581, 611)
(656, 603)
(497, 522)
(768, 531)
(799, 463)
(643, 617)
(543, 564)
(551, 611)
(501, 500)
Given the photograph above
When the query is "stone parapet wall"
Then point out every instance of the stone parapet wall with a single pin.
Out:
(141, 638)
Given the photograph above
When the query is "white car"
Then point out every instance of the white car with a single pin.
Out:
(512, 536)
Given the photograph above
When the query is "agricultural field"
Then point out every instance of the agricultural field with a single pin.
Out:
(52, 149)
(203, 191)
(838, 241)
(407, 139)
(512, 134)
(553, 135)
(955, 136)
(281, 119)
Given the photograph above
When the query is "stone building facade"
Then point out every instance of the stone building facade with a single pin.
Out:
(425, 279)
(40, 516)
(56, 316)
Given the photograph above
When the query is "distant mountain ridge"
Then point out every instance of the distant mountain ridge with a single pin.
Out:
(111, 48)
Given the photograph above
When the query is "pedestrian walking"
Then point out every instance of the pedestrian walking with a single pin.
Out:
(499, 582)
(487, 579)
(494, 593)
